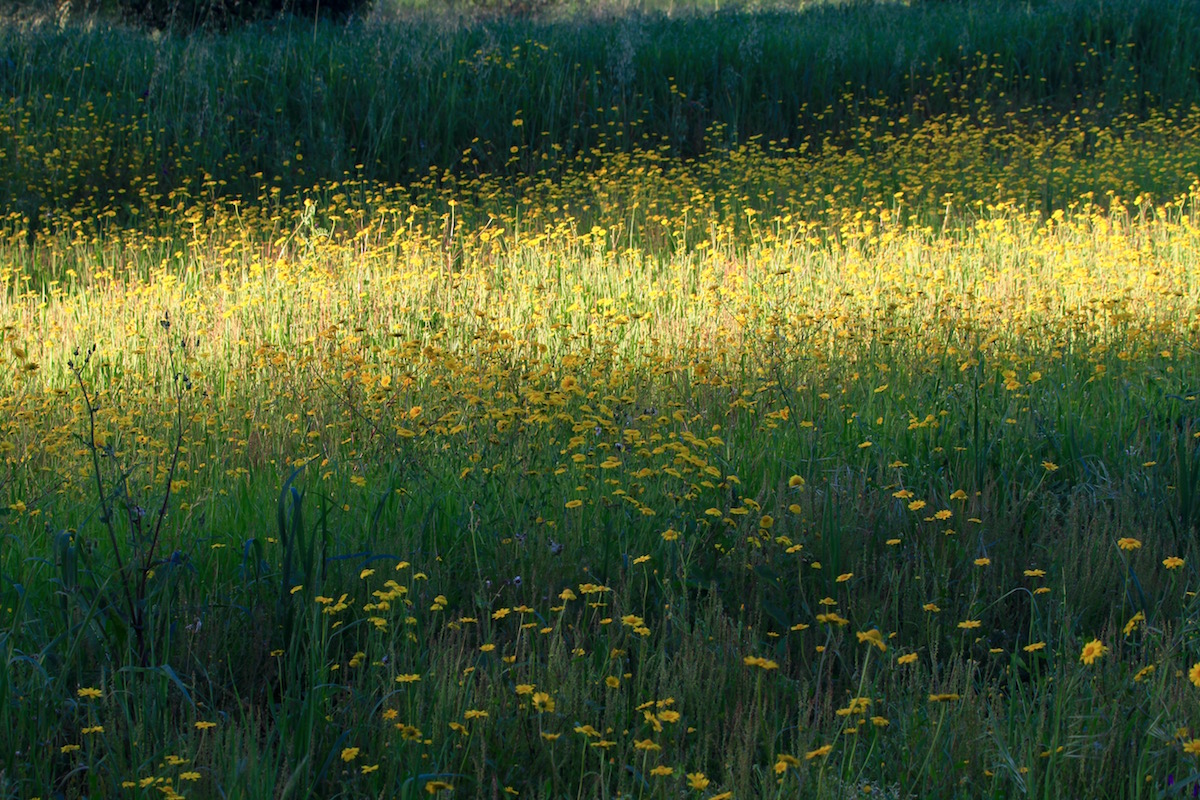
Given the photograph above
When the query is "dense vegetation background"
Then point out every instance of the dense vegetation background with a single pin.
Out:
(453, 93)
(635, 400)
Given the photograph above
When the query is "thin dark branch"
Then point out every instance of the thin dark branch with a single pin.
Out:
(105, 508)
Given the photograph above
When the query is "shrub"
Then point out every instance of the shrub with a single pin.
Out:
(188, 15)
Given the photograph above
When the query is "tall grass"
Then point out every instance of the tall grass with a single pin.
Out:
(281, 105)
(862, 467)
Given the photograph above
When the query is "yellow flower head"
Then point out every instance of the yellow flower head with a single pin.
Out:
(943, 698)
(1092, 650)
(758, 661)
(819, 752)
(783, 762)
(874, 637)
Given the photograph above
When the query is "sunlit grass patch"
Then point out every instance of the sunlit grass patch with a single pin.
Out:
(527, 493)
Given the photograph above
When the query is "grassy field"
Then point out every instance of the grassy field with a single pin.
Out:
(780, 404)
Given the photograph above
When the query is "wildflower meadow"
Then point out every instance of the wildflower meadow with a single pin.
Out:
(661, 401)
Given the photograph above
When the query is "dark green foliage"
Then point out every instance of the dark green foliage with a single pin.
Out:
(188, 15)
(514, 8)
(398, 99)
